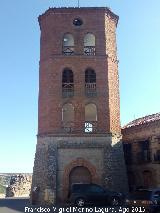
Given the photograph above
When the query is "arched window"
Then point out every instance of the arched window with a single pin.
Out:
(90, 76)
(90, 82)
(68, 117)
(68, 44)
(90, 118)
(89, 40)
(89, 44)
(67, 83)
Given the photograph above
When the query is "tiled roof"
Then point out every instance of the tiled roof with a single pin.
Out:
(143, 120)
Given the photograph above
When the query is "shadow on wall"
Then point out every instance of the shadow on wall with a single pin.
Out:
(117, 179)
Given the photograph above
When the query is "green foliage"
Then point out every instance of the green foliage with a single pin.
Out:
(2, 189)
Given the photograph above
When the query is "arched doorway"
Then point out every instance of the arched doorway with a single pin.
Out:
(147, 179)
(72, 170)
(79, 174)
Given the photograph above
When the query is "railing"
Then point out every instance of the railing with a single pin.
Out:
(67, 90)
(68, 50)
(91, 86)
(89, 50)
(90, 126)
(90, 89)
(68, 127)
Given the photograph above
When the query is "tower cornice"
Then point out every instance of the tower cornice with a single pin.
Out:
(106, 10)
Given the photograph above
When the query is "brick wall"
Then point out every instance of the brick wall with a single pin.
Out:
(102, 23)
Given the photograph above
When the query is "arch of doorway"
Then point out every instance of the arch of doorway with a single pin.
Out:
(79, 162)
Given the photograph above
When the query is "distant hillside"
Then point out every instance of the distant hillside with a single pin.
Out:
(5, 177)
(2, 189)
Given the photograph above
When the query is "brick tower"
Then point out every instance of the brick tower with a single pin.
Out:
(79, 135)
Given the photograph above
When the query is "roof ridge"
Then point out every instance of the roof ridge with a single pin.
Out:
(143, 120)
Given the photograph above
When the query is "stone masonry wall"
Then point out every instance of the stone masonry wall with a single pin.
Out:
(44, 170)
(110, 168)
(116, 166)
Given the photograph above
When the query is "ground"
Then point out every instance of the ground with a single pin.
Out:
(13, 205)
(21, 205)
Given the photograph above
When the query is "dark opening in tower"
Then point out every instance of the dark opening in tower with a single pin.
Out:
(90, 83)
(67, 83)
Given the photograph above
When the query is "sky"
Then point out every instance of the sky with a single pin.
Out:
(138, 42)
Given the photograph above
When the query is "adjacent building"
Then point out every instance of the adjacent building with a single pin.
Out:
(141, 139)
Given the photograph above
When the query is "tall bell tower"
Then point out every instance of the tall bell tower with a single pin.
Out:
(79, 135)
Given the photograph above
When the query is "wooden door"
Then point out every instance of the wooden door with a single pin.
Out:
(79, 174)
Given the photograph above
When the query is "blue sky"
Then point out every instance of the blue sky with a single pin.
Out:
(138, 38)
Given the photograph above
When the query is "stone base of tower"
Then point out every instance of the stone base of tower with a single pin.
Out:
(61, 161)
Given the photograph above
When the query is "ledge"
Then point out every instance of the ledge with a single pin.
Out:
(64, 9)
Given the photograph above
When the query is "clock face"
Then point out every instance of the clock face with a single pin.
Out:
(77, 22)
